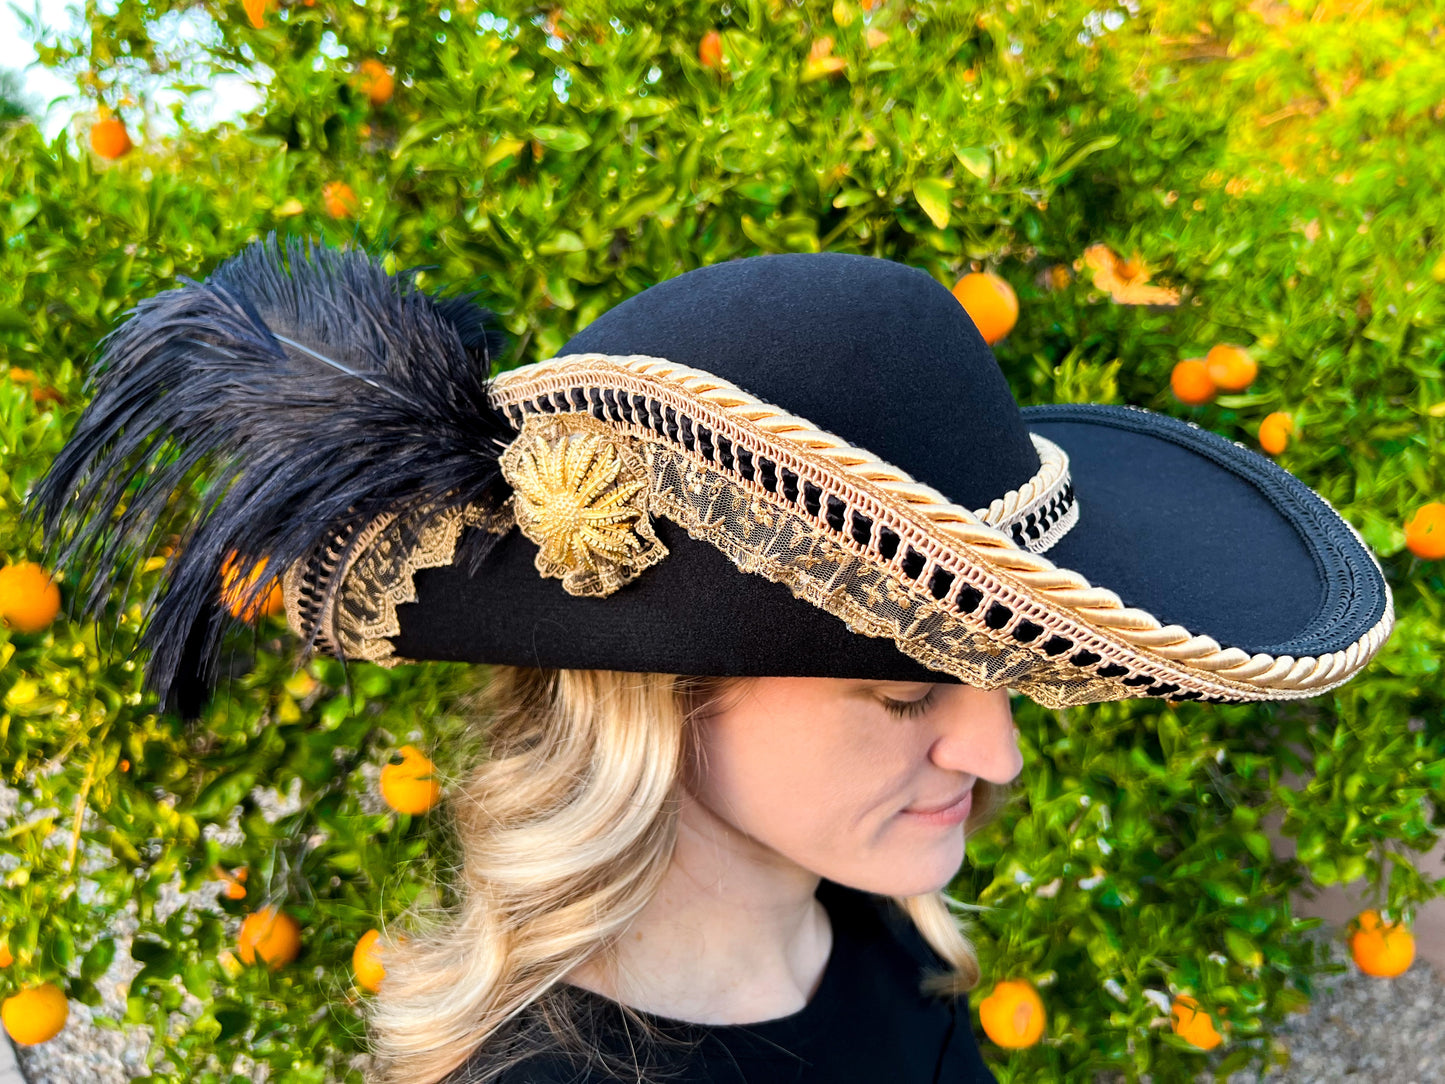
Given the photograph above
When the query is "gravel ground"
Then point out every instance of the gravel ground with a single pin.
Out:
(1362, 1029)
(87, 1052)
(95, 1048)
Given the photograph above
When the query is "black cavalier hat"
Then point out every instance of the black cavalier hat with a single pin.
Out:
(800, 464)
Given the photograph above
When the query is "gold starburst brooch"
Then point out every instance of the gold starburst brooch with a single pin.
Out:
(580, 493)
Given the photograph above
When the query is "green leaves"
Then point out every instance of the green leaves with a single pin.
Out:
(1072, 159)
(561, 139)
(977, 160)
(932, 194)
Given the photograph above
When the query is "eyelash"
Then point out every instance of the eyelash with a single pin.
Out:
(907, 708)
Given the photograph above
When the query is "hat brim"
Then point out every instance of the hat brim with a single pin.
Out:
(1208, 534)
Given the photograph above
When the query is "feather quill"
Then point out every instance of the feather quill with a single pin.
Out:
(287, 400)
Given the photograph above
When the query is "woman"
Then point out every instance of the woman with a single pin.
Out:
(700, 877)
(801, 483)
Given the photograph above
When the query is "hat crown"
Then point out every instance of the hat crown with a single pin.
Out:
(871, 350)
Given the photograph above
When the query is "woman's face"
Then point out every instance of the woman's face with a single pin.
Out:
(831, 774)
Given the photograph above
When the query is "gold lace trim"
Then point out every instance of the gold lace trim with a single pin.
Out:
(840, 578)
(360, 618)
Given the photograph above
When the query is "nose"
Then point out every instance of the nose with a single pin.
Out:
(976, 735)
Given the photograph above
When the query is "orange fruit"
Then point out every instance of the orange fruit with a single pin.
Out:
(1190, 382)
(35, 1014)
(29, 599)
(235, 882)
(235, 594)
(1013, 1015)
(375, 81)
(339, 199)
(710, 50)
(1424, 534)
(816, 67)
(1193, 1024)
(109, 139)
(1275, 431)
(1382, 950)
(990, 303)
(270, 934)
(1230, 367)
(5, 958)
(407, 783)
(255, 12)
(366, 961)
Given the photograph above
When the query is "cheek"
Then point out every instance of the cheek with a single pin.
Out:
(798, 788)
(822, 786)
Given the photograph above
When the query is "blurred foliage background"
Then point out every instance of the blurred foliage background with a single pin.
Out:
(1279, 164)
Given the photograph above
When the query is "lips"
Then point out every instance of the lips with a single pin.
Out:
(940, 807)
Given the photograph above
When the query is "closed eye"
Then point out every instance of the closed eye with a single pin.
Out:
(908, 708)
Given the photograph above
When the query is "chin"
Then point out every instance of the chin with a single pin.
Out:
(912, 871)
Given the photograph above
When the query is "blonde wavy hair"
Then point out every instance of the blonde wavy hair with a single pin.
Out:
(564, 830)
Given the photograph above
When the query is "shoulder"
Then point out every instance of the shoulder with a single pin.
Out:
(529, 1051)
(617, 1067)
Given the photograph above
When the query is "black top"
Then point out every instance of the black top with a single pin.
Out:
(867, 1022)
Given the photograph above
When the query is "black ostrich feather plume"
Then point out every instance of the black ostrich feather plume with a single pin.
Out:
(268, 411)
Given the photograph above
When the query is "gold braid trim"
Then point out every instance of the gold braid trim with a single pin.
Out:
(766, 533)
